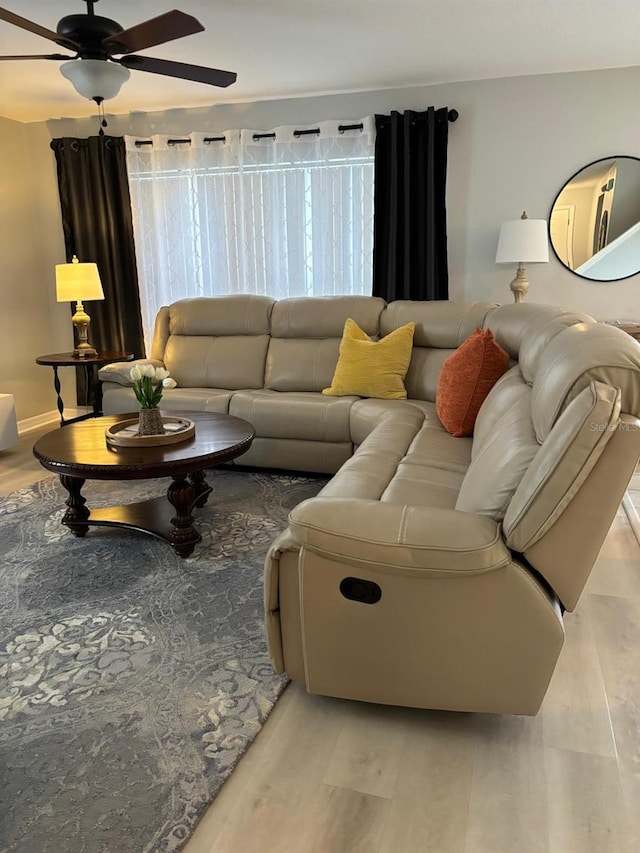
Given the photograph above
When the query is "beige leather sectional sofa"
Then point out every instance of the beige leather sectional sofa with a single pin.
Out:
(431, 571)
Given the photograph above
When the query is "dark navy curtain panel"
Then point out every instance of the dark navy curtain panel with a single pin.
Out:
(410, 216)
(98, 228)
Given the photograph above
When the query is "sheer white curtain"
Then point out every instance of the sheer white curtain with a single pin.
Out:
(280, 212)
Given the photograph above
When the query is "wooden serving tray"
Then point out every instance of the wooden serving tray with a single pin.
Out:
(122, 433)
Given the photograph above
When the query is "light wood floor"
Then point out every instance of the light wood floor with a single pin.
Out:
(331, 776)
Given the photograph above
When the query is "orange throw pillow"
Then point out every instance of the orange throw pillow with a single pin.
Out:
(466, 378)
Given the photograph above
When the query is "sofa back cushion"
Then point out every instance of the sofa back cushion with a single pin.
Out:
(219, 342)
(305, 338)
(440, 329)
(562, 464)
(160, 334)
(574, 358)
(592, 361)
(504, 394)
(238, 314)
(524, 329)
(500, 462)
(542, 520)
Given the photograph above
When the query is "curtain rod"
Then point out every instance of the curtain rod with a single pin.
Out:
(452, 115)
(208, 139)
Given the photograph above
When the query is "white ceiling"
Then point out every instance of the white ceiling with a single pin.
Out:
(285, 48)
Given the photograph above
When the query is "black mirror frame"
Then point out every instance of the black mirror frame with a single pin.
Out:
(562, 188)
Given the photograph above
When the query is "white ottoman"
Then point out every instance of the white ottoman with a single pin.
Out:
(8, 425)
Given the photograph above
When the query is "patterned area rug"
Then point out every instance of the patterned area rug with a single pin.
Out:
(131, 681)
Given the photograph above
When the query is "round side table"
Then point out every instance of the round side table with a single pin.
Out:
(90, 364)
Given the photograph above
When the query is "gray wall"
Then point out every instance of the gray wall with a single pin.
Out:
(515, 144)
(31, 322)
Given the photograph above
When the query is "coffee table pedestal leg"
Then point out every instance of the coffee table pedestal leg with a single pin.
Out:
(182, 495)
(77, 512)
(202, 488)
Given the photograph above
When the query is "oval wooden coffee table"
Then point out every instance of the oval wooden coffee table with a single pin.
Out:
(78, 452)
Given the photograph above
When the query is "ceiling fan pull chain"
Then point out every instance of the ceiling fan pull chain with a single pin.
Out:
(101, 118)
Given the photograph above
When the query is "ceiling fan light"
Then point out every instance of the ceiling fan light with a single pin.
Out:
(95, 78)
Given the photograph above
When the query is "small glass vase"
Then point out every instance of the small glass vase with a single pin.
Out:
(150, 422)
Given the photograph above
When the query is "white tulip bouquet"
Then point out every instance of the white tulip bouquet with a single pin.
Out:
(148, 384)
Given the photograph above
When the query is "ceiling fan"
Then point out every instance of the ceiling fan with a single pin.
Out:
(105, 50)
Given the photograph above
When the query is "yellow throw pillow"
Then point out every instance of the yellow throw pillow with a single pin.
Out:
(369, 368)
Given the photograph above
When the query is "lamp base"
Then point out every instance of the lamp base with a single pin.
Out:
(520, 285)
(83, 350)
(81, 321)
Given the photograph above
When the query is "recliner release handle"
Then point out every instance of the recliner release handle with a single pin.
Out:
(357, 589)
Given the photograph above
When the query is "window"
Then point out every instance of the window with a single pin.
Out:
(249, 213)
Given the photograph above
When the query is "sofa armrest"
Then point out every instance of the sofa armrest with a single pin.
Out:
(411, 539)
(118, 372)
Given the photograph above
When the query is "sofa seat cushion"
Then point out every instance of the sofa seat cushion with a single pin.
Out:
(428, 410)
(391, 438)
(364, 477)
(372, 467)
(196, 400)
(296, 454)
(117, 399)
(423, 485)
(435, 447)
(297, 415)
(367, 414)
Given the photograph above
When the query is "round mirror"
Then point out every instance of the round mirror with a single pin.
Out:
(594, 224)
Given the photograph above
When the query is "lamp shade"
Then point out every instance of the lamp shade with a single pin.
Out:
(78, 282)
(523, 241)
(95, 78)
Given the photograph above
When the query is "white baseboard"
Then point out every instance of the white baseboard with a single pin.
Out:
(632, 515)
(49, 418)
(38, 421)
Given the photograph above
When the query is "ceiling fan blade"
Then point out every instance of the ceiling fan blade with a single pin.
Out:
(40, 56)
(25, 24)
(198, 73)
(164, 28)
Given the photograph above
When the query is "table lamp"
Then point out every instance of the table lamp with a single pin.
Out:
(75, 282)
(522, 241)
